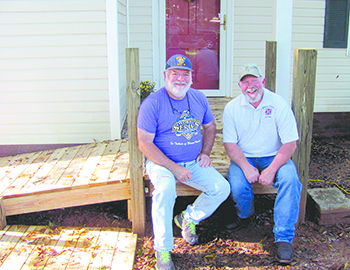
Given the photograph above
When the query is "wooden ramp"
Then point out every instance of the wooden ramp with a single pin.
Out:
(65, 177)
(42, 247)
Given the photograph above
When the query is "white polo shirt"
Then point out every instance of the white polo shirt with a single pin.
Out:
(260, 131)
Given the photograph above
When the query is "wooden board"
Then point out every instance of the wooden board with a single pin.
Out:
(15, 167)
(28, 173)
(44, 247)
(217, 106)
(105, 166)
(15, 205)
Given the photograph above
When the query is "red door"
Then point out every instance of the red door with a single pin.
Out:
(193, 30)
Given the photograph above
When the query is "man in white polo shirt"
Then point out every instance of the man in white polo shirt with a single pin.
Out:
(260, 135)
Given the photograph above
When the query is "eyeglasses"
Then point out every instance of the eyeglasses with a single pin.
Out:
(176, 110)
(188, 112)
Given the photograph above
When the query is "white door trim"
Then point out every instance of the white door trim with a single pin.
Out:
(226, 48)
(112, 67)
(158, 28)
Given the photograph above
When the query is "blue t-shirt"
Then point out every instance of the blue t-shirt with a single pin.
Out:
(176, 123)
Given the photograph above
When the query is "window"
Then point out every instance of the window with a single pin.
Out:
(336, 24)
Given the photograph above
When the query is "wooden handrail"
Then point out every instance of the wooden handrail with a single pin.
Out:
(304, 83)
(138, 208)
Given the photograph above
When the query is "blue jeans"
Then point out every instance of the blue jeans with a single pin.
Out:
(286, 209)
(215, 189)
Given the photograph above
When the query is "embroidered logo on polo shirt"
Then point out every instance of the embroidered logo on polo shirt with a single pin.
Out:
(186, 126)
(268, 111)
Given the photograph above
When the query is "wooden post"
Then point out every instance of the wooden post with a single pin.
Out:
(138, 208)
(270, 65)
(3, 222)
(304, 80)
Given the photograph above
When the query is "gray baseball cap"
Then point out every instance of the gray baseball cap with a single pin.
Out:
(249, 69)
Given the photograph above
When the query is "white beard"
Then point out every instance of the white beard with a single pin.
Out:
(178, 89)
(256, 99)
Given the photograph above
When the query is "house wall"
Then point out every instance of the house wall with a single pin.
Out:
(53, 72)
(333, 66)
(253, 25)
(256, 23)
(140, 29)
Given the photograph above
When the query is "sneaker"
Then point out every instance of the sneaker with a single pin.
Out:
(164, 261)
(284, 252)
(188, 229)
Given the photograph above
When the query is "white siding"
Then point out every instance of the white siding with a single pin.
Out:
(253, 25)
(333, 66)
(53, 72)
(140, 28)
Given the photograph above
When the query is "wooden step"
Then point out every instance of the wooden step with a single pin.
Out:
(184, 190)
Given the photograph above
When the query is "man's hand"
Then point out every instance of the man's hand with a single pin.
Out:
(251, 174)
(204, 159)
(283, 155)
(181, 173)
(151, 151)
(267, 177)
(236, 155)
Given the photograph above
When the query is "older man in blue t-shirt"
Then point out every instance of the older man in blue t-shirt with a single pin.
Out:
(169, 134)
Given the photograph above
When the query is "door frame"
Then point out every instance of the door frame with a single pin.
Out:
(226, 47)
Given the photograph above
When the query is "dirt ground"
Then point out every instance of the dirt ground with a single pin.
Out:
(315, 246)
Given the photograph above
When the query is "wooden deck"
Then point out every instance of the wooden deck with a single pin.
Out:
(41, 247)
